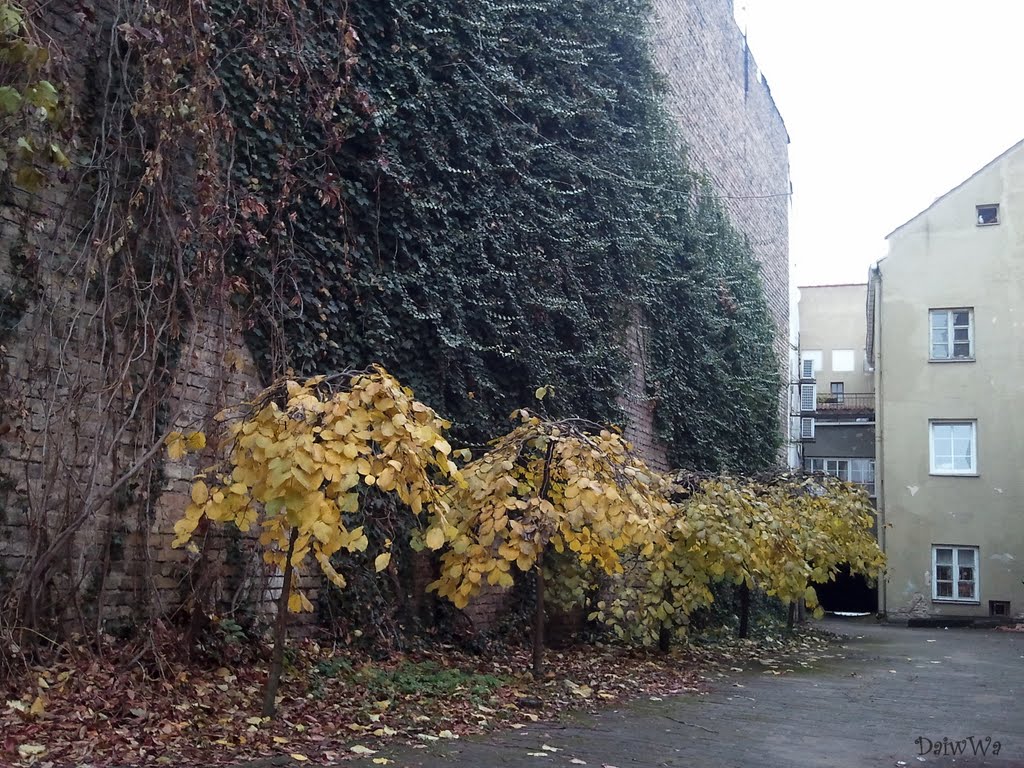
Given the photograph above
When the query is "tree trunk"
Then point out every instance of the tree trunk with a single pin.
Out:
(744, 610)
(791, 618)
(280, 625)
(538, 622)
(665, 631)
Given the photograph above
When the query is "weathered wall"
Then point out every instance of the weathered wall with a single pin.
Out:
(832, 318)
(735, 135)
(943, 259)
(79, 406)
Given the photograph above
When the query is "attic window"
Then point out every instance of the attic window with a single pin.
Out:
(988, 214)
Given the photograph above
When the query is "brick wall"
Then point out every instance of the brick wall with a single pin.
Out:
(72, 421)
(733, 133)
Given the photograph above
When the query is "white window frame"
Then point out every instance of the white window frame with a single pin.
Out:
(808, 397)
(807, 428)
(853, 470)
(957, 550)
(950, 355)
(816, 356)
(973, 424)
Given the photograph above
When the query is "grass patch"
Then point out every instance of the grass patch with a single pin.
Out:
(428, 679)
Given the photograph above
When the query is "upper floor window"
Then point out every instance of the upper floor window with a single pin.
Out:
(953, 447)
(837, 390)
(843, 360)
(988, 214)
(951, 334)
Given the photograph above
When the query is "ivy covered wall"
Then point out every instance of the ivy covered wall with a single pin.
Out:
(477, 195)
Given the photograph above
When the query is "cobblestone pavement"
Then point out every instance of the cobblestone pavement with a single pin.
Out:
(888, 687)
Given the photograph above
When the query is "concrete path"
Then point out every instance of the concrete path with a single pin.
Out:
(888, 687)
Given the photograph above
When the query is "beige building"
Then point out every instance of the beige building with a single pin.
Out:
(832, 326)
(946, 338)
(836, 405)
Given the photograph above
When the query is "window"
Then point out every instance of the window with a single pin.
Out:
(951, 333)
(860, 471)
(806, 429)
(955, 574)
(837, 390)
(815, 356)
(807, 369)
(843, 360)
(953, 447)
(988, 214)
(808, 397)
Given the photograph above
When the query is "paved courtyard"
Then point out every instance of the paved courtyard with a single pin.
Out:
(887, 687)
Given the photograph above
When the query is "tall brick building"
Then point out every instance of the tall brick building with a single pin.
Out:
(733, 134)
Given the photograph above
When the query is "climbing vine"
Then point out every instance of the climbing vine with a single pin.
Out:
(478, 203)
(483, 197)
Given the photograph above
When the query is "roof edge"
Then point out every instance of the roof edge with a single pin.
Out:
(950, 191)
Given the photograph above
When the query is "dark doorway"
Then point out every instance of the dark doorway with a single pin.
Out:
(848, 593)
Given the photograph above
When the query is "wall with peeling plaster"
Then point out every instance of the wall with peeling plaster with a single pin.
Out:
(942, 258)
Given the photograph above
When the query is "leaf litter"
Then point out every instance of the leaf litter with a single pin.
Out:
(90, 711)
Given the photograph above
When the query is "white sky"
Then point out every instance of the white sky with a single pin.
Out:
(889, 104)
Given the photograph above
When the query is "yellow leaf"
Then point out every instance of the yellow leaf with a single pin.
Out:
(38, 706)
(381, 561)
(541, 393)
(195, 441)
(175, 443)
(298, 756)
(435, 538)
(200, 493)
(382, 761)
(295, 602)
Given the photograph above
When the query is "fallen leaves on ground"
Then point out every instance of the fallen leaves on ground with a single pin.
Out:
(1011, 628)
(87, 710)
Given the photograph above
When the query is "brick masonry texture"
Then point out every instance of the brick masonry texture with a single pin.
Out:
(733, 133)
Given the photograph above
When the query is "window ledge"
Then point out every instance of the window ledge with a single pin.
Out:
(954, 474)
(951, 359)
(954, 601)
(988, 224)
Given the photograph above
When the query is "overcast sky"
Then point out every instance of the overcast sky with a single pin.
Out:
(889, 104)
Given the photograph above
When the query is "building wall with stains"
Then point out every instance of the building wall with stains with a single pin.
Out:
(942, 492)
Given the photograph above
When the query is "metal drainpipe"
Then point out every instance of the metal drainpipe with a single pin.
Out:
(876, 285)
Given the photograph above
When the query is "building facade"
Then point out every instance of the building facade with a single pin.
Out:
(946, 338)
(835, 389)
(734, 135)
(834, 404)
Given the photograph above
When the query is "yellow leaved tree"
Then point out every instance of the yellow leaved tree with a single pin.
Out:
(831, 522)
(296, 458)
(778, 533)
(567, 487)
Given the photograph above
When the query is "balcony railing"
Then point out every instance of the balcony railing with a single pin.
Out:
(846, 403)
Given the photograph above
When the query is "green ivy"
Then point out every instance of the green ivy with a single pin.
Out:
(478, 195)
